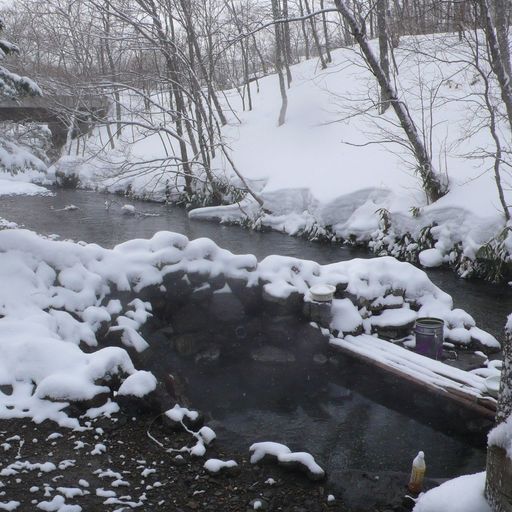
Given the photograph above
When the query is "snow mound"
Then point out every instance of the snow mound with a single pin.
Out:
(501, 436)
(178, 414)
(462, 494)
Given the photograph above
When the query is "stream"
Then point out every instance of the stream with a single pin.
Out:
(348, 416)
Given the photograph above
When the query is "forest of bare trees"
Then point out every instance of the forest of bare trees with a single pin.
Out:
(165, 64)
(174, 58)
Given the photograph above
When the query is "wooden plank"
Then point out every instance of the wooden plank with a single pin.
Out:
(484, 406)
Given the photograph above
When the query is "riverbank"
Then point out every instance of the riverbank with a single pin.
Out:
(113, 465)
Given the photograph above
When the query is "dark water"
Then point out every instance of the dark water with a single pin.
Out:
(346, 416)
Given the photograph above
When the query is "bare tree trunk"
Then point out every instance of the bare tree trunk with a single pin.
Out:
(191, 32)
(315, 36)
(244, 51)
(382, 8)
(431, 182)
(286, 44)
(112, 67)
(260, 55)
(502, 21)
(286, 34)
(497, 174)
(497, 483)
(279, 64)
(499, 62)
(304, 30)
(245, 60)
(326, 33)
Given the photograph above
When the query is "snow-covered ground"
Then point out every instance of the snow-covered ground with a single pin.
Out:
(322, 173)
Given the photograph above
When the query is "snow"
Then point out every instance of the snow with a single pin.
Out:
(343, 186)
(463, 494)
(394, 318)
(128, 209)
(178, 413)
(215, 465)
(501, 436)
(283, 454)
(260, 450)
(306, 459)
(206, 434)
(431, 258)
(9, 505)
(9, 187)
(58, 504)
(346, 317)
(138, 384)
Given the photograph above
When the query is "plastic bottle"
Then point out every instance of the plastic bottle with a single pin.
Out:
(417, 473)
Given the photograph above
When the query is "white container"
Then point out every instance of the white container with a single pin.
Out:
(322, 292)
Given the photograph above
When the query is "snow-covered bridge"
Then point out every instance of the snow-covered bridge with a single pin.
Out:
(59, 112)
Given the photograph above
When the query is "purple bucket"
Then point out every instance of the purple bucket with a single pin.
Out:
(429, 333)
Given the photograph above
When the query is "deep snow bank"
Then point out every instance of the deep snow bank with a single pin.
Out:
(59, 298)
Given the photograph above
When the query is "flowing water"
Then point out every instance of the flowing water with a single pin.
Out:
(350, 417)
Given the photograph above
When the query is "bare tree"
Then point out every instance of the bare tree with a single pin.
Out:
(432, 183)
